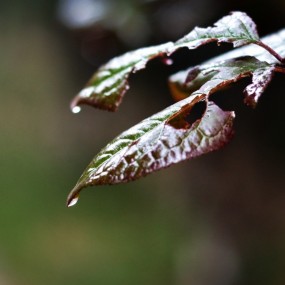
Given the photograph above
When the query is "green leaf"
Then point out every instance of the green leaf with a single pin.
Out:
(106, 88)
(108, 85)
(236, 28)
(167, 138)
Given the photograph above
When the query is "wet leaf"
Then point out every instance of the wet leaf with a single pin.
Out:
(106, 88)
(167, 138)
(181, 90)
(183, 83)
(260, 79)
(236, 28)
(156, 143)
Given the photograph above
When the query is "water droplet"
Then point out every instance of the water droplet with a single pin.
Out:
(76, 109)
(73, 201)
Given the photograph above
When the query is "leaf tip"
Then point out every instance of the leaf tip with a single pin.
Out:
(72, 199)
(73, 196)
(74, 105)
(87, 96)
(76, 109)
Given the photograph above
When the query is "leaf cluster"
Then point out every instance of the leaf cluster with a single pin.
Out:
(167, 137)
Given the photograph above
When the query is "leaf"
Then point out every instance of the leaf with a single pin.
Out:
(155, 143)
(106, 88)
(181, 90)
(166, 138)
(108, 85)
(260, 79)
(183, 83)
(236, 28)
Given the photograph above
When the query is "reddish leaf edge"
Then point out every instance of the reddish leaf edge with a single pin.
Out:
(222, 137)
(188, 81)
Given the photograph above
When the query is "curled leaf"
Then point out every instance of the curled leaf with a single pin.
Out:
(223, 72)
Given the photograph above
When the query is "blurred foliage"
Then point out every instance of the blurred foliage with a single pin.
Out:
(173, 228)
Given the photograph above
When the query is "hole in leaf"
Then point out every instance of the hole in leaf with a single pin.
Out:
(231, 97)
(187, 117)
(196, 112)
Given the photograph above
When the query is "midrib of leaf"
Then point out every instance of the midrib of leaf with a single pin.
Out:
(112, 73)
(179, 42)
(247, 31)
(140, 132)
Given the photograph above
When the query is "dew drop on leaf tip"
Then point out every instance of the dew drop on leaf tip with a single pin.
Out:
(76, 109)
(73, 201)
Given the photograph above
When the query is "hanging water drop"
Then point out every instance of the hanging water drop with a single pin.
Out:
(76, 109)
(73, 201)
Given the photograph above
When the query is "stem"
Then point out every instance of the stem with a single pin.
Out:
(271, 51)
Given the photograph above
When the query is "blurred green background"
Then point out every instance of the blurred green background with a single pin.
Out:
(219, 219)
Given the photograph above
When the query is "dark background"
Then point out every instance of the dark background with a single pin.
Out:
(219, 219)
